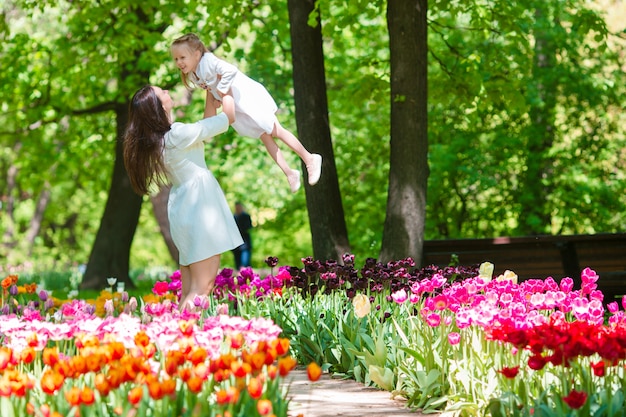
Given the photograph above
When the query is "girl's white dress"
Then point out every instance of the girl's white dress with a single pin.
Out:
(201, 222)
(255, 109)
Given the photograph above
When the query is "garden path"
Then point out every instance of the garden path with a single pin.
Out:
(332, 397)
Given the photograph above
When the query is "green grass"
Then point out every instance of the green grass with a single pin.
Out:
(60, 283)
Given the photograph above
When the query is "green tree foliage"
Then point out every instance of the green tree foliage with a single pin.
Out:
(61, 64)
(485, 90)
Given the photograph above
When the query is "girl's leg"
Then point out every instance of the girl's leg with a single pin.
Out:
(312, 161)
(293, 175)
(203, 274)
(185, 278)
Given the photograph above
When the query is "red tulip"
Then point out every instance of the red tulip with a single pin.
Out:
(575, 399)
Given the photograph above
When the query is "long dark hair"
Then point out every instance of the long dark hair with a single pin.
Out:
(143, 141)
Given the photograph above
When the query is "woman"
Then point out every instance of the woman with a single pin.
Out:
(157, 151)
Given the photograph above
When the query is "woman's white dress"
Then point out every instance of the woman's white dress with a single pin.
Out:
(201, 222)
(255, 109)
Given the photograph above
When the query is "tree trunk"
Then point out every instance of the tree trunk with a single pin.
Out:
(8, 237)
(35, 222)
(159, 208)
(535, 217)
(403, 234)
(325, 209)
(110, 254)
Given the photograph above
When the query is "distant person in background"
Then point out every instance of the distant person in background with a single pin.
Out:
(243, 253)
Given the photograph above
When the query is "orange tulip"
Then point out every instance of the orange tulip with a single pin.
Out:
(264, 407)
(73, 396)
(115, 377)
(201, 371)
(221, 397)
(198, 355)
(194, 384)
(18, 388)
(255, 388)
(286, 364)
(281, 345)
(221, 375)
(149, 350)
(233, 395)
(224, 361)
(171, 366)
(94, 362)
(51, 381)
(257, 360)
(236, 341)
(240, 369)
(79, 364)
(50, 356)
(272, 371)
(28, 355)
(5, 357)
(116, 350)
(229, 395)
(87, 396)
(5, 388)
(261, 346)
(142, 339)
(213, 366)
(8, 281)
(87, 340)
(135, 395)
(270, 355)
(32, 340)
(184, 374)
(313, 371)
(102, 385)
(185, 345)
(168, 386)
(154, 389)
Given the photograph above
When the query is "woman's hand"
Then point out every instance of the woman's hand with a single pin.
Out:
(229, 107)
(216, 103)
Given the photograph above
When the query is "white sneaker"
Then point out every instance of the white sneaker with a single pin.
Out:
(294, 180)
(315, 169)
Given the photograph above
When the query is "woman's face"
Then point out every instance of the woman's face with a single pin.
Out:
(164, 96)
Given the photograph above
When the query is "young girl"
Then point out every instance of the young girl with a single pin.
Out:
(255, 109)
(156, 150)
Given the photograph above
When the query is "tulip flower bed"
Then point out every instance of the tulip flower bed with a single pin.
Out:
(111, 358)
(456, 341)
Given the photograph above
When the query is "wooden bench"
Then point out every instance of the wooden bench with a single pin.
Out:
(541, 257)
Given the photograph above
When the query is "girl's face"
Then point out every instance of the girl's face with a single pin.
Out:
(164, 96)
(185, 58)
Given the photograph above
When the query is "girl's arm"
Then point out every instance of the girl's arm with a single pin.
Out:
(226, 73)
